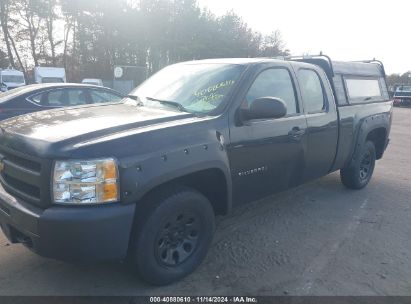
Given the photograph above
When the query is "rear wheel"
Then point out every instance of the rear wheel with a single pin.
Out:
(359, 173)
(173, 233)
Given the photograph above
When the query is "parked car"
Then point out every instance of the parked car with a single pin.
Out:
(97, 82)
(49, 75)
(402, 96)
(144, 178)
(11, 79)
(39, 97)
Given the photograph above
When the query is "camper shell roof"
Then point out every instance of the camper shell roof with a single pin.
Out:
(354, 68)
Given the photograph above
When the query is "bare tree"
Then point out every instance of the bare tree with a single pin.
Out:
(50, 18)
(273, 45)
(4, 20)
(30, 19)
(99, 34)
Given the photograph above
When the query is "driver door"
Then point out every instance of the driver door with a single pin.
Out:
(267, 155)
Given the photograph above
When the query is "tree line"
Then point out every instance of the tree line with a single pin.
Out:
(88, 38)
(395, 79)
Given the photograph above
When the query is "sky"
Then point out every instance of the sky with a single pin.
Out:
(344, 30)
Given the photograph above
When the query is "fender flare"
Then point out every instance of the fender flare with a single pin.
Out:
(145, 185)
(365, 126)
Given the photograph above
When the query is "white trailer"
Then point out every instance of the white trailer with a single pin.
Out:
(49, 75)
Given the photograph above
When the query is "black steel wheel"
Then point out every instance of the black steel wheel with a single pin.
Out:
(173, 231)
(178, 239)
(365, 165)
(358, 174)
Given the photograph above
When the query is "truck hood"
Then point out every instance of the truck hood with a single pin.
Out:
(79, 124)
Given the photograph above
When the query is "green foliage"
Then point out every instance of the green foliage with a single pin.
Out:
(93, 36)
(394, 79)
(4, 61)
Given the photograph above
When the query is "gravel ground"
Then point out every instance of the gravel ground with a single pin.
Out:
(317, 239)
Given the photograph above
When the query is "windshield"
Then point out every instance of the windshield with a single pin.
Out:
(52, 80)
(404, 89)
(197, 88)
(12, 78)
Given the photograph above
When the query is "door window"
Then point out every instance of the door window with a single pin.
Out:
(76, 97)
(274, 83)
(55, 98)
(311, 91)
(98, 96)
(61, 98)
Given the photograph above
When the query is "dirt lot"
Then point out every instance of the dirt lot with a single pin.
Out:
(318, 239)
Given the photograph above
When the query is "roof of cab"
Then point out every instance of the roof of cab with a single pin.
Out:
(339, 67)
(242, 61)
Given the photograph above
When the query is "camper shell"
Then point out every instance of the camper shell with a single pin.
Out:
(338, 72)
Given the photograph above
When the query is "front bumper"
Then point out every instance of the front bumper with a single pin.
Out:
(79, 233)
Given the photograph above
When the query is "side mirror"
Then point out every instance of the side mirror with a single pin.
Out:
(266, 108)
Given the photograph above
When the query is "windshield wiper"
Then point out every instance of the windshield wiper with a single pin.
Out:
(170, 103)
(133, 97)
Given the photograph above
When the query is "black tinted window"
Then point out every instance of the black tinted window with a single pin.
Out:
(274, 83)
(311, 91)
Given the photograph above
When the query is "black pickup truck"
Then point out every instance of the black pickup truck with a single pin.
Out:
(143, 180)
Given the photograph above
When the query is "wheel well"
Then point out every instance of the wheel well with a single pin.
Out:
(211, 183)
(378, 137)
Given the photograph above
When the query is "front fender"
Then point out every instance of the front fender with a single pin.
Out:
(140, 175)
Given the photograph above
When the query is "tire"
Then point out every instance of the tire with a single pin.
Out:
(173, 232)
(359, 173)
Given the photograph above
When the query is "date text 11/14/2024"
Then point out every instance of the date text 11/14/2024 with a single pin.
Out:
(205, 299)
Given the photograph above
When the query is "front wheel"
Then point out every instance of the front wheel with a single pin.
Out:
(359, 173)
(173, 233)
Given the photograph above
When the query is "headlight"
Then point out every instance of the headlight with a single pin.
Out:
(85, 182)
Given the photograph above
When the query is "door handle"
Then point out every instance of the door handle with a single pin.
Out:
(296, 132)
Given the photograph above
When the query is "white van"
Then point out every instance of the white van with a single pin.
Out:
(11, 79)
(49, 75)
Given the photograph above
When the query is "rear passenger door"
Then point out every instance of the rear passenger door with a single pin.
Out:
(322, 121)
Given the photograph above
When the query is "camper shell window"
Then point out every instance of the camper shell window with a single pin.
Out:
(363, 89)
